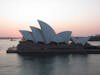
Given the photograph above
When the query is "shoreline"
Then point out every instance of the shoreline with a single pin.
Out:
(56, 51)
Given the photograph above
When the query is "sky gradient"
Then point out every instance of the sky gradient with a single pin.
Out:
(82, 17)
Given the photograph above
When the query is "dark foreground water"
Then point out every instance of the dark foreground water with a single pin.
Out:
(69, 64)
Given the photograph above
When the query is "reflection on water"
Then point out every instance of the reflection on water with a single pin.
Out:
(69, 64)
(37, 65)
(72, 64)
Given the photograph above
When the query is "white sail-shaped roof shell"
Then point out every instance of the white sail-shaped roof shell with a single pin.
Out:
(47, 31)
(84, 40)
(75, 40)
(66, 35)
(26, 35)
(58, 39)
(37, 34)
(81, 40)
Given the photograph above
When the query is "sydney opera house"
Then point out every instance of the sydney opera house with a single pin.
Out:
(46, 34)
(46, 40)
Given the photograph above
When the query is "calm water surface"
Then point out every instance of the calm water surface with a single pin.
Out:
(69, 64)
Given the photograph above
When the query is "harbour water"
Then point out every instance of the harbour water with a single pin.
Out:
(69, 64)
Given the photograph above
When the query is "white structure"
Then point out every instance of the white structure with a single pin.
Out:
(58, 39)
(46, 34)
(27, 35)
(66, 35)
(47, 31)
(81, 40)
(37, 34)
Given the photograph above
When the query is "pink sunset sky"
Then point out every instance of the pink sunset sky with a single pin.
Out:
(82, 17)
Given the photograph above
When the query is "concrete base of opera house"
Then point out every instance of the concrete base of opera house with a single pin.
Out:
(62, 51)
(30, 48)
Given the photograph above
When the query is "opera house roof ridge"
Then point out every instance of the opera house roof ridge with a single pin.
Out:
(81, 40)
(47, 34)
(37, 34)
(26, 35)
(47, 31)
